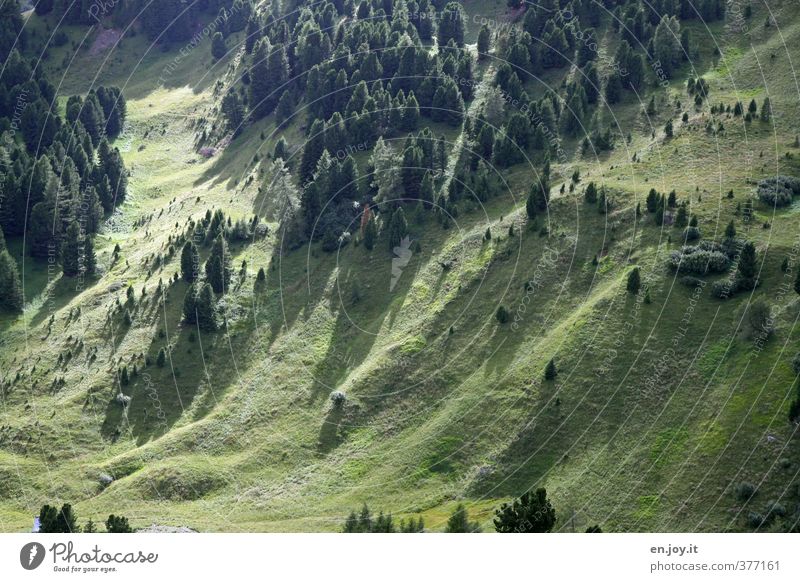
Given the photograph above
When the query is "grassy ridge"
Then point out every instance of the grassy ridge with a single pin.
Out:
(658, 411)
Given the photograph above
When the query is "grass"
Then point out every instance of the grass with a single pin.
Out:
(656, 409)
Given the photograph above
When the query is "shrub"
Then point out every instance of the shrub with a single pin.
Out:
(338, 399)
(755, 519)
(723, 289)
(774, 509)
(122, 399)
(745, 491)
(760, 316)
(796, 363)
(778, 191)
(697, 260)
(691, 233)
(502, 314)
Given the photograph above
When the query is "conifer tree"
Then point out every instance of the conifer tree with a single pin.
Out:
(766, 110)
(484, 41)
(218, 266)
(398, 228)
(730, 230)
(190, 262)
(747, 270)
(71, 251)
(10, 287)
(206, 308)
(452, 25)
(218, 48)
(531, 513)
(634, 281)
(550, 371)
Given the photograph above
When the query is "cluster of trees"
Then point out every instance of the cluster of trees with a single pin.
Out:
(366, 68)
(215, 277)
(532, 512)
(10, 287)
(363, 522)
(57, 175)
(64, 520)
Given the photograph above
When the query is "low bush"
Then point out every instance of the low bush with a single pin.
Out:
(778, 191)
(698, 261)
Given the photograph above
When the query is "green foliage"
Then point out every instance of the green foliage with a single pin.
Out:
(118, 524)
(364, 523)
(218, 266)
(218, 48)
(51, 520)
(459, 522)
(530, 513)
(190, 262)
(550, 371)
(10, 286)
(502, 314)
(634, 281)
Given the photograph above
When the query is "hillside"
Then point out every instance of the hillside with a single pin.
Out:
(384, 375)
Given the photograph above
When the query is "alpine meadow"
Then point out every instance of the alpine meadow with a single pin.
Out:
(399, 266)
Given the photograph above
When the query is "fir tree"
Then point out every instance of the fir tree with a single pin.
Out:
(452, 25)
(766, 110)
(484, 41)
(72, 250)
(218, 266)
(190, 262)
(398, 228)
(531, 513)
(10, 287)
(218, 48)
(550, 371)
(634, 281)
(118, 524)
(730, 230)
(747, 270)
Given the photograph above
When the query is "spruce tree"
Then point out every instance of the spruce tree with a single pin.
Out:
(71, 251)
(206, 309)
(730, 231)
(10, 287)
(89, 256)
(370, 232)
(634, 281)
(452, 25)
(766, 110)
(218, 48)
(398, 228)
(190, 304)
(550, 371)
(746, 272)
(190, 262)
(590, 194)
(484, 41)
(218, 266)
(118, 524)
(531, 513)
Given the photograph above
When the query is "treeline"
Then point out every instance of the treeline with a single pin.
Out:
(64, 520)
(532, 512)
(58, 175)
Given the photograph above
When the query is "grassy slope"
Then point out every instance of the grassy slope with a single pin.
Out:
(248, 440)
